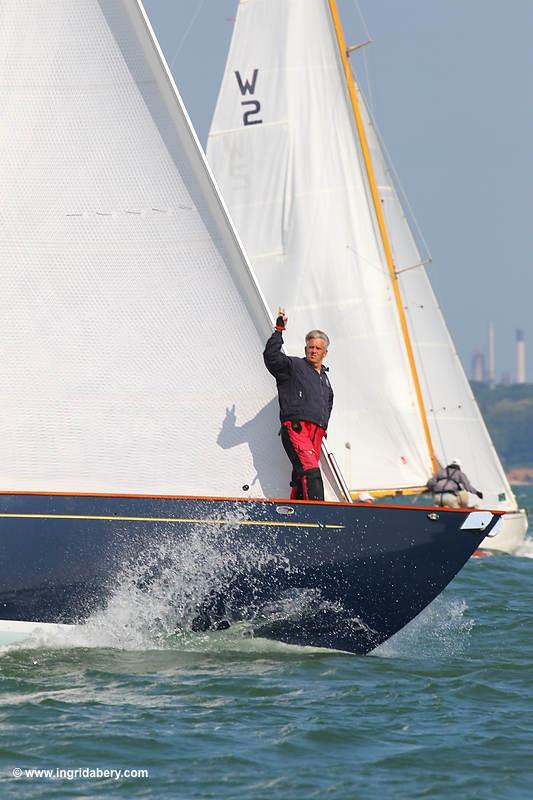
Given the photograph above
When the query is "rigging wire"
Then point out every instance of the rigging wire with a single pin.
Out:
(366, 68)
(188, 29)
(362, 19)
(372, 114)
(397, 182)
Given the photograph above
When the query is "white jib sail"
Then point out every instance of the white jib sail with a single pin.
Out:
(131, 328)
(284, 150)
(456, 425)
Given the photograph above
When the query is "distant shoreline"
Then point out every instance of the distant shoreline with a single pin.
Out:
(520, 476)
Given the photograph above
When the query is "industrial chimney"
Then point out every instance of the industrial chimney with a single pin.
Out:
(520, 357)
(478, 366)
(492, 360)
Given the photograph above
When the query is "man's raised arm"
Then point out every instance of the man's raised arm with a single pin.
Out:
(276, 362)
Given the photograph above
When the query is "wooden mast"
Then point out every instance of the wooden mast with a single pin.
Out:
(350, 82)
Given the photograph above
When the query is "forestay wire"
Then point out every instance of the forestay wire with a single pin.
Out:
(186, 33)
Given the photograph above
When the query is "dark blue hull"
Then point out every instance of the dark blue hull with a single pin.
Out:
(330, 575)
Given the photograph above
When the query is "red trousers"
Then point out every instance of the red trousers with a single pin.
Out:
(302, 441)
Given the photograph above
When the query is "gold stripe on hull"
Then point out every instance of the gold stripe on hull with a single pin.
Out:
(187, 520)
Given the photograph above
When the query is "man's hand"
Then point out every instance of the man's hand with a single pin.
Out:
(480, 495)
(282, 319)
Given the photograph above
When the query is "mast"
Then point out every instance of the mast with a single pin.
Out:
(350, 82)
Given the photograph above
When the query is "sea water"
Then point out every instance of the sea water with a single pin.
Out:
(129, 706)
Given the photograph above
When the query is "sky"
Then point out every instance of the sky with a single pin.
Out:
(449, 84)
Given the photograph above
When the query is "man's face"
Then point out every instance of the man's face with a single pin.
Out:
(315, 352)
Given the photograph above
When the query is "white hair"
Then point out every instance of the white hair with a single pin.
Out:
(317, 335)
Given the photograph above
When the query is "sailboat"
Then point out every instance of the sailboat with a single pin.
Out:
(300, 165)
(138, 421)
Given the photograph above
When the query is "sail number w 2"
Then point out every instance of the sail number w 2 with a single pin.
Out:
(253, 107)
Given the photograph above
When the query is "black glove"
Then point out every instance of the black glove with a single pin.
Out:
(280, 324)
(480, 495)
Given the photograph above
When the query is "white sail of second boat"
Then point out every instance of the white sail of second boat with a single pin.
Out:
(284, 149)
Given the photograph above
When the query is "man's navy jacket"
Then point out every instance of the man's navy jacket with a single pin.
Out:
(303, 392)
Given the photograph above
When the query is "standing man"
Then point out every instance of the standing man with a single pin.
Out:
(305, 402)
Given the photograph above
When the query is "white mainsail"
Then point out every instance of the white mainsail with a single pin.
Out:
(457, 427)
(131, 327)
(284, 149)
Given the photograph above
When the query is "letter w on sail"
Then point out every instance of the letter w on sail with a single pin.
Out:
(246, 85)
